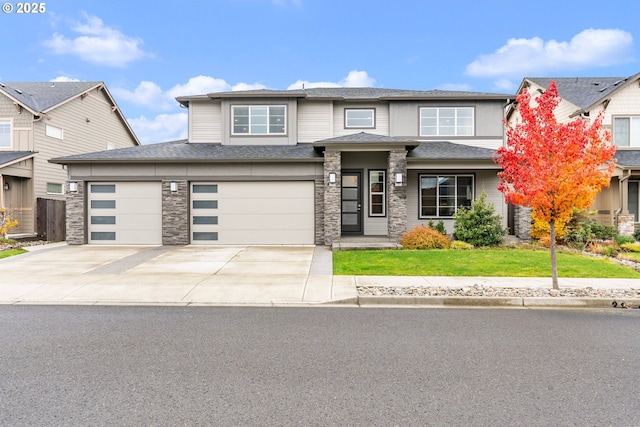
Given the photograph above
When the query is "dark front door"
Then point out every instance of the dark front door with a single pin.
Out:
(351, 202)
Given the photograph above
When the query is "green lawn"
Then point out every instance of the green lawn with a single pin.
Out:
(11, 252)
(477, 262)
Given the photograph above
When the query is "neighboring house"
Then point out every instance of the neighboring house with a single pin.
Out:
(294, 167)
(619, 99)
(41, 120)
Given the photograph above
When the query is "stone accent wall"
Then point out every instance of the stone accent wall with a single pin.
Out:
(332, 197)
(397, 208)
(175, 214)
(76, 209)
(522, 222)
(319, 211)
(625, 224)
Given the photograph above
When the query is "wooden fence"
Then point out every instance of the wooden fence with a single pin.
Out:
(51, 219)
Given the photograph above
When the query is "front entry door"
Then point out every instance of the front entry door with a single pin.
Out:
(351, 202)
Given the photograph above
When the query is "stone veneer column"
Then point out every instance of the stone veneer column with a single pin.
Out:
(319, 211)
(625, 224)
(175, 214)
(75, 214)
(397, 209)
(332, 197)
(522, 222)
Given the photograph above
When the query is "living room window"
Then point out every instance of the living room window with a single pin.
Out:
(446, 121)
(442, 195)
(259, 120)
(359, 118)
(626, 131)
(5, 133)
(377, 193)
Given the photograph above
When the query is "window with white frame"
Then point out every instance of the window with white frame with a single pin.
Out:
(442, 195)
(377, 193)
(626, 131)
(54, 188)
(446, 121)
(5, 133)
(359, 118)
(259, 119)
(53, 132)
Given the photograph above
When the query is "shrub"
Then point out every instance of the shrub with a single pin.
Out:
(631, 247)
(423, 237)
(459, 244)
(601, 231)
(609, 250)
(621, 239)
(636, 234)
(540, 228)
(439, 227)
(6, 222)
(478, 225)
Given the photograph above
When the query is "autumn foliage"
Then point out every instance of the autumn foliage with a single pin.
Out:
(553, 167)
(423, 237)
(6, 222)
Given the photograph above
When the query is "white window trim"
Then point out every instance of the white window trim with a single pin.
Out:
(268, 106)
(383, 193)
(473, 121)
(632, 134)
(346, 118)
(53, 131)
(10, 122)
(438, 176)
(55, 183)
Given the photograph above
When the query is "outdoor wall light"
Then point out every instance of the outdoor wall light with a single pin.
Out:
(332, 177)
(6, 186)
(399, 178)
(73, 187)
(174, 186)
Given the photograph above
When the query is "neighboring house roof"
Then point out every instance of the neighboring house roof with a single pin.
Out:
(445, 150)
(42, 97)
(584, 92)
(628, 158)
(351, 93)
(178, 151)
(9, 157)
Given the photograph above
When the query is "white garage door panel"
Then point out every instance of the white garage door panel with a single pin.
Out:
(262, 213)
(137, 212)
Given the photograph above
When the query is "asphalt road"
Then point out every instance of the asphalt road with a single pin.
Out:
(228, 366)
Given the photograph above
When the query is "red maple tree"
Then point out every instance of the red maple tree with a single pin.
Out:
(553, 167)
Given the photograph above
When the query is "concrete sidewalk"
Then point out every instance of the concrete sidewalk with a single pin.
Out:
(238, 275)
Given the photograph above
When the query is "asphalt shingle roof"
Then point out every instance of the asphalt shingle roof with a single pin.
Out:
(177, 151)
(582, 91)
(10, 156)
(628, 158)
(445, 150)
(41, 96)
(366, 138)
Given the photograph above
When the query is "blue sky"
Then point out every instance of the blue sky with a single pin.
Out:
(149, 52)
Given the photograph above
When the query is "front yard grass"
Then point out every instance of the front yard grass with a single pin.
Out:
(11, 252)
(500, 262)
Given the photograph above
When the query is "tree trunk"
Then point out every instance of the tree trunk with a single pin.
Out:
(554, 264)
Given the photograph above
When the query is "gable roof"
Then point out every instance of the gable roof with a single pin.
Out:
(446, 150)
(584, 92)
(350, 94)
(9, 157)
(366, 138)
(41, 97)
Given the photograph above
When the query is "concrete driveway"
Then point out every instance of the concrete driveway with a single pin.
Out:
(199, 275)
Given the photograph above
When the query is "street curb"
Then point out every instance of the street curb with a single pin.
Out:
(533, 302)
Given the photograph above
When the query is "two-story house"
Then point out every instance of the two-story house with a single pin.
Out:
(42, 120)
(303, 166)
(618, 98)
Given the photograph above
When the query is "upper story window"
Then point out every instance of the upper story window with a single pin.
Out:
(259, 120)
(53, 132)
(5, 133)
(359, 118)
(626, 131)
(446, 121)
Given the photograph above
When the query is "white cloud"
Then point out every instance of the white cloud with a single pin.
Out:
(147, 94)
(162, 128)
(199, 85)
(64, 79)
(589, 48)
(247, 86)
(504, 85)
(355, 78)
(98, 44)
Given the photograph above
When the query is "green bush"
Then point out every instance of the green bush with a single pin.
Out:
(621, 239)
(582, 230)
(478, 225)
(423, 237)
(439, 227)
(609, 250)
(601, 231)
(459, 244)
(631, 247)
(636, 234)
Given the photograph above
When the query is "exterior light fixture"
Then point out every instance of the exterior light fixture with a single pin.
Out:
(73, 187)
(174, 186)
(399, 178)
(6, 186)
(332, 177)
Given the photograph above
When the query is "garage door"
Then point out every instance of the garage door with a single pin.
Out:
(125, 213)
(256, 213)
